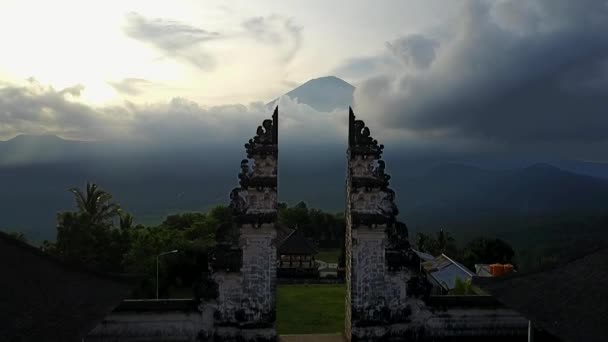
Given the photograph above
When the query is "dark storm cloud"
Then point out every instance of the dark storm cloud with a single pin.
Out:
(276, 30)
(416, 50)
(173, 38)
(130, 86)
(505, 73)
(35, 109)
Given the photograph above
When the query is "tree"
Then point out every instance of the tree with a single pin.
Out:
(445, 243)
(126, 221)
(325, 229)
(486, 251)
(194, 235)
(182, 221)
(146, 244)
(87, 236)
(296, 216)
(98, 246)
(424, 242)
(442, 242)
(462, 287)
(94, 204)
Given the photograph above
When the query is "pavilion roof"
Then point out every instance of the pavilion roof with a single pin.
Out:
(295, 243)
(445, 271)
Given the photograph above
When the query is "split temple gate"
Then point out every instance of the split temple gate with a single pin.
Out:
(386, 296)
(385, 290)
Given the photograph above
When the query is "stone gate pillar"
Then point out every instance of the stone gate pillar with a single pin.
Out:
(379, 260)
(245, 272)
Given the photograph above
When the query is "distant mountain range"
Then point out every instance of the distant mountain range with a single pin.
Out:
(151, 187)
(156, 182)
(323, 94)
(463, 194)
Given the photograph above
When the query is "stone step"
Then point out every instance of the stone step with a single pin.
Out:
(312, 338)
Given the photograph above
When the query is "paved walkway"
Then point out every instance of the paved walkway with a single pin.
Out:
(312, 338)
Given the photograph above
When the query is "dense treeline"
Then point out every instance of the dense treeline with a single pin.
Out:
(100, 235)
(324, 229)
(480, 250)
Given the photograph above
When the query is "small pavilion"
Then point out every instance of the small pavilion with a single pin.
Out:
(296, 256)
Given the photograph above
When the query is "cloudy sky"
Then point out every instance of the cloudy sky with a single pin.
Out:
(500, 76)
(212, 52)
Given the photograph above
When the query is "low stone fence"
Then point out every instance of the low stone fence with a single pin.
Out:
(154, 320)
(451, 318)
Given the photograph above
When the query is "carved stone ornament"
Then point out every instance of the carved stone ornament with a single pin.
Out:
(255, 201)
(360, 141)
(372, 201)
(266, 139)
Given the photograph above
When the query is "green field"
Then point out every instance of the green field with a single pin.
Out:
(308, 309)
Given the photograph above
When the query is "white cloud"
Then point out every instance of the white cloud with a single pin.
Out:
(173, 38)
(36, 109)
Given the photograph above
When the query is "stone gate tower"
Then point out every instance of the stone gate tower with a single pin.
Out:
(386, 294)
(379, 261)
(246, 271)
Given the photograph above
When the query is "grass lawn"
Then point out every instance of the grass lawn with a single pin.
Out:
(329, 255)
(308, 309)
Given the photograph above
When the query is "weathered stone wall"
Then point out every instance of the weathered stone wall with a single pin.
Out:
(146, 326)
(348, 250)
(464, 324)
(150, 320)
(259, 267)
(230, 296)
(368, 267)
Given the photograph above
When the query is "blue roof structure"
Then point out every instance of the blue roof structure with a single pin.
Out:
(444, 271)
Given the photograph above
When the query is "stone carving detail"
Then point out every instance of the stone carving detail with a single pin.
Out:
(255, 201)
(266, 139)
(264, 201)
(372, 201)
(245, 174)
(265, 167)
(360, 141)
(239, 201)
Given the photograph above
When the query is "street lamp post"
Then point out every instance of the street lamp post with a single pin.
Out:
(157, 258)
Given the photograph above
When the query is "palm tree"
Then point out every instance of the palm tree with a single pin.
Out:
(444, 241)
(95, 204)
(126, 221)
(422, 242)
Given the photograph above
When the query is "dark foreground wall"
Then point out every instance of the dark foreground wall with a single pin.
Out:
(152, 320)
